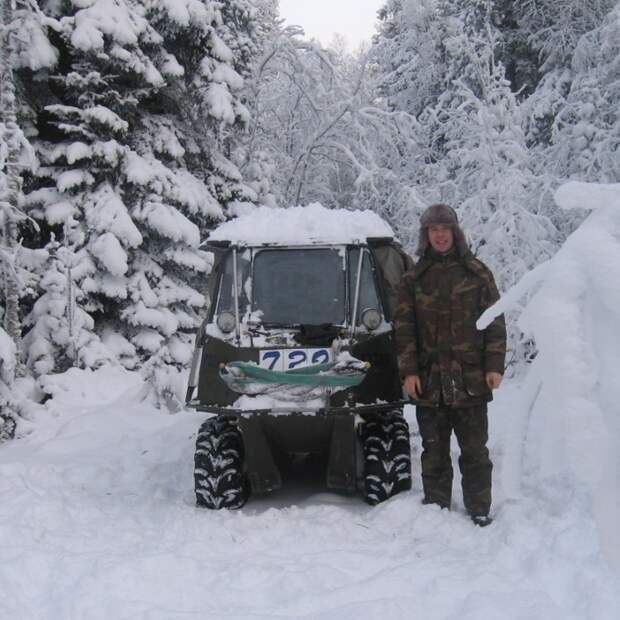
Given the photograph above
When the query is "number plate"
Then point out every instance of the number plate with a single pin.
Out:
(289, 359)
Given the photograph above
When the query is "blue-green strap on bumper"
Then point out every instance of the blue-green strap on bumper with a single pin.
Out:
(319, 375)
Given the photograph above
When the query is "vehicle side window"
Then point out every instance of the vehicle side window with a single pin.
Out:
(368, 296)
(226, 298)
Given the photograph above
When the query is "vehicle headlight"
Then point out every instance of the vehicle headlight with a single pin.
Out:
(226, 322)
(371, 319)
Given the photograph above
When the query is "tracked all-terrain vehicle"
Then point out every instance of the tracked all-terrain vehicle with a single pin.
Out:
(297, 356)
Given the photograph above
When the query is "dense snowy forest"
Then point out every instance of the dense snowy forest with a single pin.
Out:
(130, 128)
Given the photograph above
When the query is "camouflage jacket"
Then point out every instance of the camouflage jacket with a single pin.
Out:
(439, 302)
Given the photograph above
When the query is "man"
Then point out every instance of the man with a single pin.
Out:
(449, 367)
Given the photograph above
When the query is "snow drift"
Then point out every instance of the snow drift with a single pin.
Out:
(98, 522)
(567, 428)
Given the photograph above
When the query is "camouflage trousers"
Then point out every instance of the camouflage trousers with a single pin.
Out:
(470, 425)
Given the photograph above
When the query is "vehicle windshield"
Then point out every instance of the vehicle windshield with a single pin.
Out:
(300, 286)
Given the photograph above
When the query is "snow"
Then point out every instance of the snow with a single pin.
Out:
(34, 50)
(162, 319)
(178, 185)
(187, 12)
(227, 75)
(141, 289)
(220, 49)
(121, 347)
(170, 223)
(100, 18)
(566, 423)
(220, 102)
(110, 151)
(106, 213)
(111, 286)
(578, 195)
(179, 351)
(76, 151)
(171, 66)
(110, 253)
(192, 259)
(106, 117)
(171, 291)
(99, 522)
(148, 340)
(302, 225)
(280, 406)
(192, 192)
(73, 179)
(97, 515)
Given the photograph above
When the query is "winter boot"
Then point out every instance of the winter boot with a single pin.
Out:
(481, 520)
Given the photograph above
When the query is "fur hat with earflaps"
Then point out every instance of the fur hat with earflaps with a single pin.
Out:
(441, 214)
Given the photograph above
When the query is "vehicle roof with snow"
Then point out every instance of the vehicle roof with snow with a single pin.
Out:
(310, 225)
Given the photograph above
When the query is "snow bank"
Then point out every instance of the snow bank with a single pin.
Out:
(298, 225)
(98, 522)
(567, 428)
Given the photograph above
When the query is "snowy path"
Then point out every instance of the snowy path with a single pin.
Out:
(97, 521)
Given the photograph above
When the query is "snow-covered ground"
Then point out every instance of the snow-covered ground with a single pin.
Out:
(97, 521)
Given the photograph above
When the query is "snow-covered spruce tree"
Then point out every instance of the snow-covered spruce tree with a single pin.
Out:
(515, 51)
(33, 56)
(408, 54)
(240, 32)
(410, 47)
(22, 44)
(586, 132)
(62, 333)
(134, 172)
(244, 34)
(553, 29)
(204, 93)
(182, 177)
(11, 141)
(105, 71)
(17, 28)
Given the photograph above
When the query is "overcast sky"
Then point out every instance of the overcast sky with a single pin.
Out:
(321, 19)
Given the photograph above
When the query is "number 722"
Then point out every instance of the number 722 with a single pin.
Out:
(294, 358)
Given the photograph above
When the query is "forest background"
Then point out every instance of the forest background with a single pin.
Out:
(130, 128)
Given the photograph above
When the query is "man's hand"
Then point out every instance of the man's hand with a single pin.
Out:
(493, 380)
(413, 386)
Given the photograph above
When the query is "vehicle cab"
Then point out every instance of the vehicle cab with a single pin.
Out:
(289, 301)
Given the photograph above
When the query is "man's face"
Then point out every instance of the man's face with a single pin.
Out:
(440, 237)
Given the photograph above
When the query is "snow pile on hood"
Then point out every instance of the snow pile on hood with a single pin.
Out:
(302, 225)
(568, 426)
